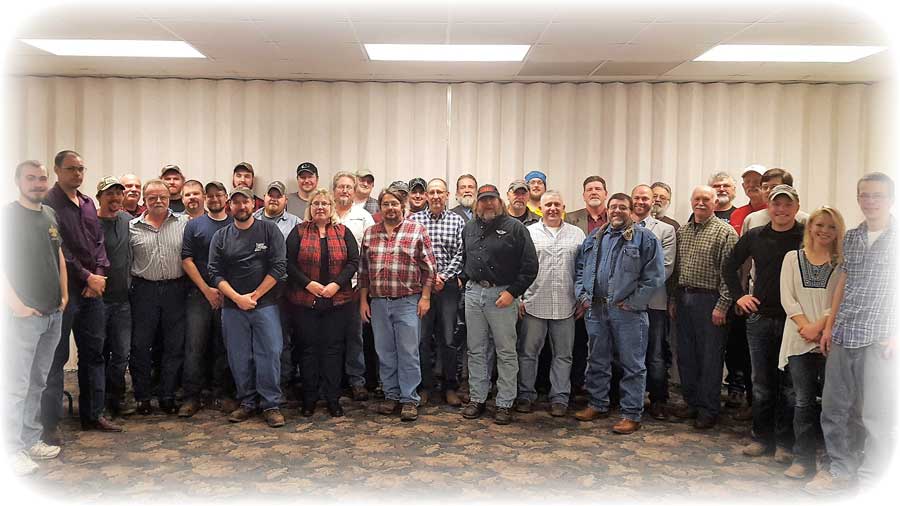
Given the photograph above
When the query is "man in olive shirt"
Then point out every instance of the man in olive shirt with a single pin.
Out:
(34, 285)
(174, 180)
(500, 263)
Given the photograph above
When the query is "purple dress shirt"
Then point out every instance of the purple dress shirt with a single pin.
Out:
(82, 236)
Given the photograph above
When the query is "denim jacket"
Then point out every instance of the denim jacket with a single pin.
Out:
(639, 267)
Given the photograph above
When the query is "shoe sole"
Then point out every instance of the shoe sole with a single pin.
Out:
(44, 457)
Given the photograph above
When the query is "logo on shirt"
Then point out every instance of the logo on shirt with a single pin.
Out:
(54, 233)
(260, 246)
(501, 233)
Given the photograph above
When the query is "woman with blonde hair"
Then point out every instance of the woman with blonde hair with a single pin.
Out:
(322, 257)
(808, 282)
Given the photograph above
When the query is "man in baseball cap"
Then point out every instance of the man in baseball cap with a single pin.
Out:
(174, 179)
(751, 179)
(537, 185)
(362, 196)
(243, 175)
(307, 182)
(517, 207)
(417, 200)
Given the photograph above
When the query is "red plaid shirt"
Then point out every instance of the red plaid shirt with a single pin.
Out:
(396, 266)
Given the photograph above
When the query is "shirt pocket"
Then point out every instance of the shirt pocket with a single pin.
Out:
(631, 259)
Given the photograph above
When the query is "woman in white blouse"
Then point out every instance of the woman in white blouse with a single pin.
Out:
(807, 283)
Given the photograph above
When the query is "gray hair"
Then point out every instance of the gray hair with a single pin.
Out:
(720, 176)
(664, 186)
(340, 174)
(552, 193)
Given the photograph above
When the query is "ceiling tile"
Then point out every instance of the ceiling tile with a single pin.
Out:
(583, 69)
(409, 11)
(822, 12)
(620, 68)
(663, 34)
(653, 53)
(602, 12)
(810, 33)
(401, 33)
(562, 52)
(496, 33)
(591, 33)
(104, 26)
(705, 68)
(724, 12)
(243, 32)
(514, 11)
(308, 33)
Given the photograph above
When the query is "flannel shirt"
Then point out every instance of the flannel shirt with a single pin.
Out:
(702, 251)
(445, 232)
(867, 313)
(552, 294)
(396, 266)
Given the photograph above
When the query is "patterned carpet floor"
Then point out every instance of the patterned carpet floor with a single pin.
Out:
(367, 456)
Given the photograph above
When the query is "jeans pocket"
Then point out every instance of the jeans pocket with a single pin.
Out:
(753, 318)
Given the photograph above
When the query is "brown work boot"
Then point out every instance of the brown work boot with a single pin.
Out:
(360, 393)
(424, 395)
(453, 399)
(473, 410)
(388, 407)
(825, 484)
(274, 417)
(409, 412)
(756, 449)
(241, 414)
(658, 411)
(588, 414)
(783, 455)
(558, 409)
(102, 424)
(189, 409)
(229, 405)
(799, 470)
(684, 412)
(524, 406)
(503, 416)
(626, 426)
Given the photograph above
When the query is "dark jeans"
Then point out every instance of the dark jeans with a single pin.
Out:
(657, 368)
(84, 317)
(579, 356)
(737, 354)
(117, 348)
(701, 350)
(204, 349)
(772, 393)
(440, 322)
(806, 372)
(157, 304)
(288, 354)
(320, 337)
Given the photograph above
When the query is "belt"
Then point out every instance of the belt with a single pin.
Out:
(690, 289)
(486, 284)
(160, 282)
(394, 298)
(598, 300)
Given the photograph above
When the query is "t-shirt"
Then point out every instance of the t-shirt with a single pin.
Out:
(31, 259)
(118, 251)
(177, 206)
(243, 258)
(198, 234)
(873, 236)
(297, 206)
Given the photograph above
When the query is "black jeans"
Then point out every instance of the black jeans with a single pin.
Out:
(772, 393)
(205, 358)
(437, 334)
(157, 304)
(701, 351)
(84, 317)
(657, 345)
(320, 335)
(117, 348)
(737, 354)
(807, 371)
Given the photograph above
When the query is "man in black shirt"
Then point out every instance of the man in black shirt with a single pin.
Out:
(517, 194)
(116, 306)
(247, 259)
(174, 179)
(767, 245)
(500, 263)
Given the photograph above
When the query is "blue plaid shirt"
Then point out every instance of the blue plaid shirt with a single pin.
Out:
(867, 313)
(445, 231)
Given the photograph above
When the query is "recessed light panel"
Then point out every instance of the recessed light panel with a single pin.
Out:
(119, 48)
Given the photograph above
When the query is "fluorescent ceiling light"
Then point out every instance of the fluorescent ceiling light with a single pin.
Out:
(787, 53)
(125, 48)
(446, 52)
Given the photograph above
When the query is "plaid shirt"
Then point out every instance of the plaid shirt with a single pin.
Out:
(552, 294)
(702, 250)
(445, 232)
(867, 313)
(396, 266)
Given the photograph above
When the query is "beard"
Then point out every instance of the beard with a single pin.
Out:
(487, 215)
(723, 200)
(344, 201)
(658, 211)
(34, 197)
(466, 201)
(241, 216)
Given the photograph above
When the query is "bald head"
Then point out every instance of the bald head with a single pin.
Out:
(703, 202)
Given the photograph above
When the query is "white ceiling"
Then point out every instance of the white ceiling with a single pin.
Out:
(573, 40)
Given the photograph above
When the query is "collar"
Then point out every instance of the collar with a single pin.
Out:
(143, 217)
(439, 217)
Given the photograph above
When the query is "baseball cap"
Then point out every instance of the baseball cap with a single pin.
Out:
(307, 167)
(244, 166)
(518, 184)
(241, 190)
(487, 190)
(536, 174)
(365, 173)
(784, 189)
(417, 181)
(106, 183)
(168, 168)
(278, 185)
(757, 168)
(399, 185)
(214, 185)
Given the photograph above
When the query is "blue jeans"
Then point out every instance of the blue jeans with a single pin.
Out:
(610, 328)
(772, 393)
(29, 347)
(396, 328)
(486, 323)
(842, 404)
(157, 304)
(562, 337)
(657, 368)
(806, 370)
(701, 352)
(440, 323)
(118, 347)
(253, 341)
(354, 352)
(83, 317)
(204, 349)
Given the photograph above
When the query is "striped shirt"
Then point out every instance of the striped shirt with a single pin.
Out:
(702, 251)
(552, 294)
(867, 313)
(445, 232)
(156, 253)
(397, 265)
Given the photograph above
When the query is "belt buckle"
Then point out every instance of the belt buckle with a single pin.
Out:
(485, 284)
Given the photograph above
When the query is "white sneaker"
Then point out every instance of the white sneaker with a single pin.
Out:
(23, 465)
(43, 451)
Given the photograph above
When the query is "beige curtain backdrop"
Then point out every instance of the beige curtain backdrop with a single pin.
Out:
(825, 134)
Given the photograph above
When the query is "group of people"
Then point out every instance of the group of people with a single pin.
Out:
(229, 294)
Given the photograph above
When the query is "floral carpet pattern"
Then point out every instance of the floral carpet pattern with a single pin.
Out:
(441, 456)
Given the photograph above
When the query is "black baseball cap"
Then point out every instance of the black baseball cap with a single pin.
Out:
(400, 186)
(487, 190)
(417, 181)
(215, 185)
(307, 167)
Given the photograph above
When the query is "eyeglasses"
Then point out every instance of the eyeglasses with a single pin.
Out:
(76, 168)
(320, 204)
(874, 197)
